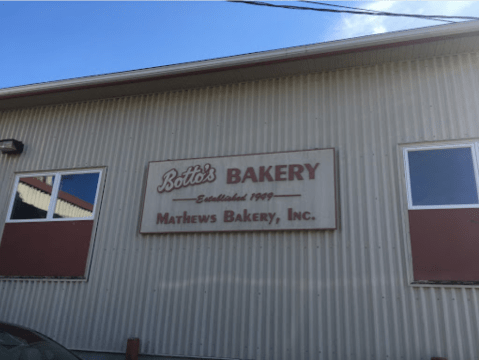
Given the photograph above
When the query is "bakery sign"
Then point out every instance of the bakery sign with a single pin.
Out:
(261, 192)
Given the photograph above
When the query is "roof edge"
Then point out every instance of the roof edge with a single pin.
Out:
(397, 38)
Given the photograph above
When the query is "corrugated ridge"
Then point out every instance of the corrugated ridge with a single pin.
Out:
(282, 295)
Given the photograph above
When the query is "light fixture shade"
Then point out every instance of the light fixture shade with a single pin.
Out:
(11, 146)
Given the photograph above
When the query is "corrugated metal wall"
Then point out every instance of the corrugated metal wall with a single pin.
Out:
(281, 295)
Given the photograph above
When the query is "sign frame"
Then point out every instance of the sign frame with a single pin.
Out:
(242, 230)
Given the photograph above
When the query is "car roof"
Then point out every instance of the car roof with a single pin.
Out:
(28, 335)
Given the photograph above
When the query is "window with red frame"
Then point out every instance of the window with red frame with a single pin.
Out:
(49, 224)
(443, 209)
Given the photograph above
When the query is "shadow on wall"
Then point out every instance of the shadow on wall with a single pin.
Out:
(89, 355)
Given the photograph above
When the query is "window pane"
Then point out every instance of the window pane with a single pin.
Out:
(442, 177)
(32, 197)
(76, 196)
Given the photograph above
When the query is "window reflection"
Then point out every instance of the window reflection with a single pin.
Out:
(76, 196)
(442, 177)
(32, 197)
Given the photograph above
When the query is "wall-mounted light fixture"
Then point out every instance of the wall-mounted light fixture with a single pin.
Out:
(11, 146)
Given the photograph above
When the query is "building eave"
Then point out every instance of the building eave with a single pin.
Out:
(367, 50)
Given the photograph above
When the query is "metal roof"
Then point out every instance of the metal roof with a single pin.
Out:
(368, 50)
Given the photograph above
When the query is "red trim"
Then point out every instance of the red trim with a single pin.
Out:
(444, 244)
(75, 201)
(61, 194)
(132, 349)
(40, 185)
(243, 66)
(45, 249)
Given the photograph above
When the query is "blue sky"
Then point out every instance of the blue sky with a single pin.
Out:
(47, 41)
(83, 186)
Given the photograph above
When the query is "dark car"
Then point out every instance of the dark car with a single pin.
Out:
(19, 343)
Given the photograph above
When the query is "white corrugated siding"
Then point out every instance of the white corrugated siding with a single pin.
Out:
(279, 295)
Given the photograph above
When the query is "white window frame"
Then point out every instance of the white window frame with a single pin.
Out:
(54, 195)
(475, 156)
(406, 204)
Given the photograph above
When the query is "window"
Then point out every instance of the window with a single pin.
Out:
(49, 224)
(443, 209)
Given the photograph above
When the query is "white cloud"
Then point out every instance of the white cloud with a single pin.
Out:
(359, 25)
(379, 29)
